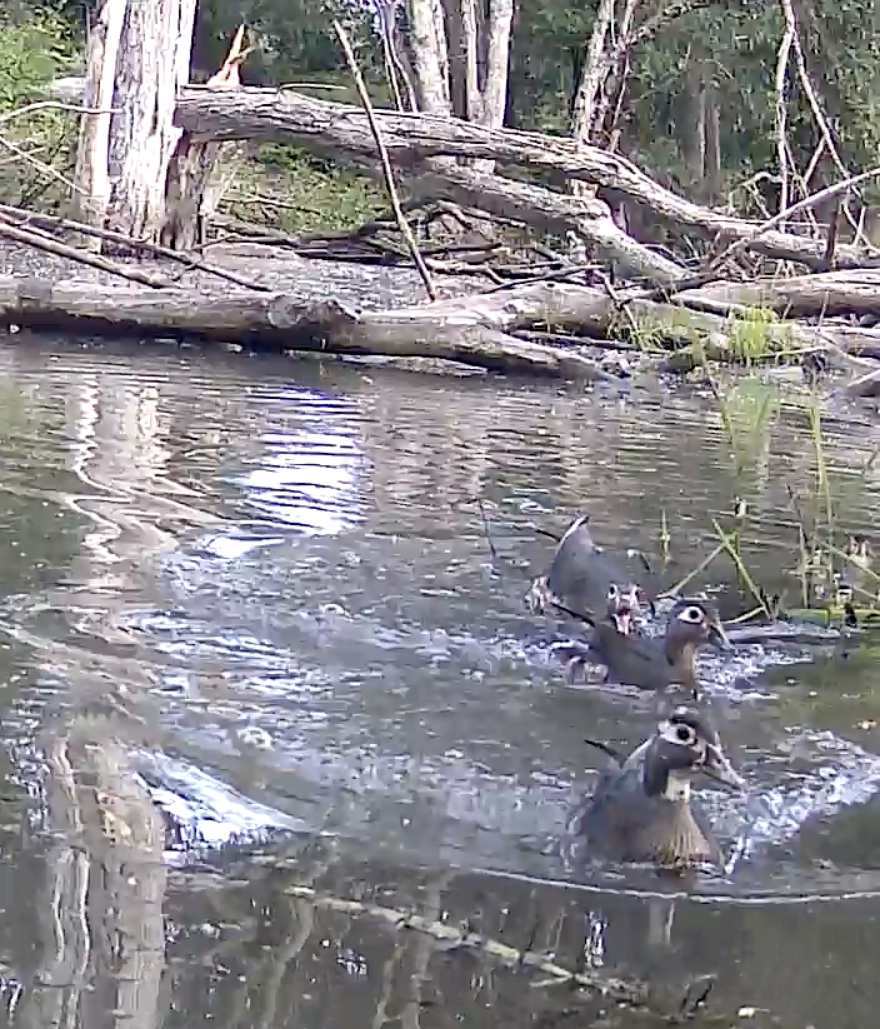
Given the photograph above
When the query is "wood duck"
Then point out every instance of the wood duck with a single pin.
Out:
(582, 574)
(641, 809)
(650, 663)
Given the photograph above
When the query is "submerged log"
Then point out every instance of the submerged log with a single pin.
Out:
(447, 330)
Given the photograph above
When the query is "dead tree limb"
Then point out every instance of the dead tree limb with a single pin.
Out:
(470, 331)
(50, 221)
(41, 241)
(387, 172)
(325, 127)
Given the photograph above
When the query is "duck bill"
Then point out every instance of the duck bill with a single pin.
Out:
(622, 619)
(718, 768)
(718, 638)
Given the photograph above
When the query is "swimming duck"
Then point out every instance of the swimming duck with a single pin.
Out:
(581, 575)
(650, 663)
(641, 809)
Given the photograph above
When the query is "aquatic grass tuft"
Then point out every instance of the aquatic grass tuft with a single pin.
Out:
(750, 335)
(748, 413)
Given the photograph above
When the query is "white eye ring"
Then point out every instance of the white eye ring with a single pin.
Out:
(613, 592)
(679, 733)
(692, 615)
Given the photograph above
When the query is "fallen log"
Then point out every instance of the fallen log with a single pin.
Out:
(854, 291)
(264, 114)
(341, 132)
(476, 330)
(278, 322)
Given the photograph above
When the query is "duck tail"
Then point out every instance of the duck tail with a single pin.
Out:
(607, 749)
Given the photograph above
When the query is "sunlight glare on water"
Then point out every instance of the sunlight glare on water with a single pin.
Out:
(270, 584)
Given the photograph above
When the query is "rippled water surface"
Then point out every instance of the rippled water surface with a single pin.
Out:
(254, 640)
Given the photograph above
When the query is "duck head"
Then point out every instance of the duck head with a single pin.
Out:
(622, 605)
(684, 747)
(858, 549)
(692, 624)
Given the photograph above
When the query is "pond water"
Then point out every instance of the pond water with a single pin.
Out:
(257, 595)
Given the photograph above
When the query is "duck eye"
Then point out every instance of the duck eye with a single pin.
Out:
(685, 735)
(613, 592)
(692, 615)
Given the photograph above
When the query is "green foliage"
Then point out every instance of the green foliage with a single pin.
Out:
(295, 37)
(749, 332)
(32, 53)
(318, 196)
(733, 44)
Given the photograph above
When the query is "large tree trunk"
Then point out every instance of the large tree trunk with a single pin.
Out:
(586, 103)
(430, 56)
(193, 190)
(138, 59)
(462, 53)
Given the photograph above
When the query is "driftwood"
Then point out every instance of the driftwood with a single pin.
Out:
(479, 330)
(449, 330)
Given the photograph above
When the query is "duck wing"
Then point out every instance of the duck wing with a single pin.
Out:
(581, 573)
(632, 660)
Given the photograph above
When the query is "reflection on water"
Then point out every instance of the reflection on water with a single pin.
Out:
(254, 640)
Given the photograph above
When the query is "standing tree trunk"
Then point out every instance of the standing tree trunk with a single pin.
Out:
(430, 57)
(138, 59)
(461, 51)
(585, 104)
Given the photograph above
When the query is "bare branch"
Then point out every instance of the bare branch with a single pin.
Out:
(782, 59)
(388, 174)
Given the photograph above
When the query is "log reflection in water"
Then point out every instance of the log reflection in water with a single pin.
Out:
(102, 928)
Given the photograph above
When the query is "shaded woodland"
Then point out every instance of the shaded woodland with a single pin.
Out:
(618, 184)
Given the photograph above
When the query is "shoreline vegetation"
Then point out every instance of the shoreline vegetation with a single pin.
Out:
(517, 277)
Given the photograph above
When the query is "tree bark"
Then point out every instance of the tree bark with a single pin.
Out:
(188, 194)
(430, 56)
(92, 174)
(473, 332)
(139, 59)
(327, 127)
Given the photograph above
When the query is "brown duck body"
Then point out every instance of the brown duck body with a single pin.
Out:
(646, 662)
(655, 663)
(641, 809)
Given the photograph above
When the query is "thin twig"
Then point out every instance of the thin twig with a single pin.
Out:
(850, 559)
(54, 105)
(826, 138)
(702, 566)
(485, 521)
(41, 241)
(194, 264)
(802, 205)
(41, 166)
(386, 162)
(733, 554)
(608, 986)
